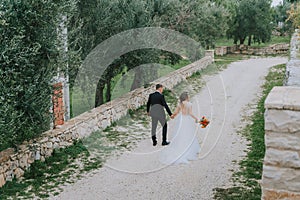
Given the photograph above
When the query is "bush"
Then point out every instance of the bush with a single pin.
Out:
(28, 63)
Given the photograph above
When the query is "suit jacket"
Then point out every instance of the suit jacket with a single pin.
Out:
(157, 102)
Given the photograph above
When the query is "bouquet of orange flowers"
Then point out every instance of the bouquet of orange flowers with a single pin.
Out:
(204, 122)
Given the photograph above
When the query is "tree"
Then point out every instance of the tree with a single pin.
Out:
(294, 15)
(101, 19)
(280, 16)
(28, 63)
(253, 21)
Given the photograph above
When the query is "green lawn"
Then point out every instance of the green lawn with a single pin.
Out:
(120, 85)
(274, 40)
(229, 58)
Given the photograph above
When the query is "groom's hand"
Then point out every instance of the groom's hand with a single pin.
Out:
(172, 116)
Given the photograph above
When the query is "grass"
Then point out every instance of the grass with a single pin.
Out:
(246, 180)
(274, 40)
(43, 177)
(123, 83)
(229, 58)
(120, 85)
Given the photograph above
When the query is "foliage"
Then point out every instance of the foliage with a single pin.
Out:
(201, 20)
(274, 40)
(28, 52)
(34, 49)
(294, 15)
(280, 16)
(246, 180)
(252, 20)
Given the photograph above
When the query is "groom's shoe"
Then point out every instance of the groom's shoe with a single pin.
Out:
(154, 143)
(165, 143)
(154, 140)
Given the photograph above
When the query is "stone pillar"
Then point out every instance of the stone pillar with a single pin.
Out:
(281, 168)
(62, 32)
(58, 104)
(210, 53)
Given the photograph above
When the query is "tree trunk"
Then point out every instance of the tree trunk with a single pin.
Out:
(235, 41)
(108, 91)
(138, 78)
(99, 94)
(242, 40)
(151, 74)
(249, 40)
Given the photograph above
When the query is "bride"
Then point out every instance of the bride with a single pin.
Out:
(184, 145)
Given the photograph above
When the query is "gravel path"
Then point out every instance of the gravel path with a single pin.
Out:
(139, 175)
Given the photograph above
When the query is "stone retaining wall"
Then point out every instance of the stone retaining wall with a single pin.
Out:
(293, 66)
(14, 163)
(281, 169)
(248, 50)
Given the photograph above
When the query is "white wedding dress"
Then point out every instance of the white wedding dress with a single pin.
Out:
(184, 144)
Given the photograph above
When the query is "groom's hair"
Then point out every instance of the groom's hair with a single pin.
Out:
(158, 86)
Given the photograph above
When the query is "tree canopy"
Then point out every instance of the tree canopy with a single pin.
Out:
(32, 54)
(252, 20)
(294, 15)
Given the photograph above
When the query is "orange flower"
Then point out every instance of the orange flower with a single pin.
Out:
(204, 122)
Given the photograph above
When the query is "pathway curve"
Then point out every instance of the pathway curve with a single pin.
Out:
(139, 174)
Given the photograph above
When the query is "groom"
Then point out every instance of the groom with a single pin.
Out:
(157, 103)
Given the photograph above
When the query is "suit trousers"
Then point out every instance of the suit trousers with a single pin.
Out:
(163, 123)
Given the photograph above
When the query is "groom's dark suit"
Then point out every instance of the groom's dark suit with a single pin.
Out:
(157, 103)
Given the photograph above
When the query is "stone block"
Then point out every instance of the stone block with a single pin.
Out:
(48, 152)
(285, 121)
(280, 195)
(54, 139)
(49, 145)
(23, 161)
(5, 155)
(56, 145)
(18, 172)
(31, 158)
(284, 98)
(22, 148)
(75, 135)
(282, 158)
(14, 156)
(283, 140)
(277, 178)
(2, 180)
(43, 140)
(37, 155)
(9, 175)
(43, 158)
(14, 164)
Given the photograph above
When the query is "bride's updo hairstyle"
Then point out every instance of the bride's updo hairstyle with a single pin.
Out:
(184, 96)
